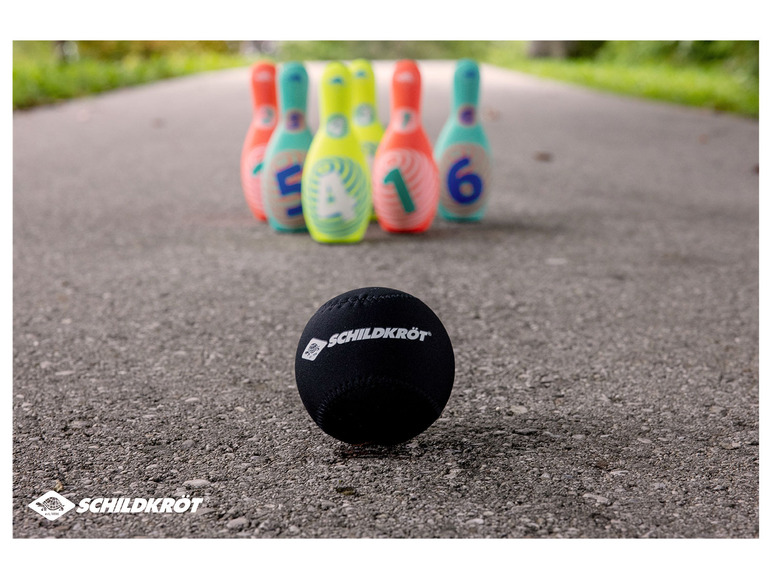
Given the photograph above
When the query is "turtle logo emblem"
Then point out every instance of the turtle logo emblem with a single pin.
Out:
(51, 505)
(312, 350)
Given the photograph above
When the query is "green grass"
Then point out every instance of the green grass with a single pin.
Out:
(39, 78)
(720, 76)
(709, 86)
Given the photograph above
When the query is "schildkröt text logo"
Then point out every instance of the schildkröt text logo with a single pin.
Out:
(52, 505)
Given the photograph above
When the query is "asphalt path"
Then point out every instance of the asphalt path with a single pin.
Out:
(604, 317)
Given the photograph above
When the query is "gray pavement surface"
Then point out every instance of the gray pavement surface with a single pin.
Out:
(604, 317)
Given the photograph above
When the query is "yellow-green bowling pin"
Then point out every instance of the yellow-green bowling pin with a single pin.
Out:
(364, 110)
(336, 189)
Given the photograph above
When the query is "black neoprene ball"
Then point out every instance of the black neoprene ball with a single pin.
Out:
(374, 366)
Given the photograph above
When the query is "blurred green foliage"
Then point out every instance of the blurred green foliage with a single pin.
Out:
(381, 49)
(43, 73)
(118, 49)
(733, 56)
(721, 74)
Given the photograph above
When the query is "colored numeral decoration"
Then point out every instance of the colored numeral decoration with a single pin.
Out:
(334, 200)
(289, 184)
(252, 167)
(464, 187)
(282, 189)
(267, 115)
(337, 201)
(395, 178)
(406, 185)
(464, 179)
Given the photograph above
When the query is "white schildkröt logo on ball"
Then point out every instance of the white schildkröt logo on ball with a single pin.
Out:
(316, 345)
(376, 333)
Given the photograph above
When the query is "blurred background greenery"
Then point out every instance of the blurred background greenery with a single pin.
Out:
(720, 75)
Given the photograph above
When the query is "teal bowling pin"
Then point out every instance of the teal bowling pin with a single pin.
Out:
(462, 152)
(286, 152)
(336, 190)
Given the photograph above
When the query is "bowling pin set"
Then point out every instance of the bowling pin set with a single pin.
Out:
(352, 171)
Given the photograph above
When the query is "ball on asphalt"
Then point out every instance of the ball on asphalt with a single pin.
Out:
(374, 366)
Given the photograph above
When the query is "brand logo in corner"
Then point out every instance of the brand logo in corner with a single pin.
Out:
(312, 350)
(51, 505)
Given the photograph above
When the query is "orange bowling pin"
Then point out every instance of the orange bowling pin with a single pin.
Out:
(264, 118)
(406, 188)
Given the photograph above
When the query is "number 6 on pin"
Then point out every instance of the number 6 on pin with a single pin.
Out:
(462, 151)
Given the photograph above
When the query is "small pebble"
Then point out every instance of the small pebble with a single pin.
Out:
(196, 483)
(599, 499)
(526, 431)
(730, 445)
(236, 524)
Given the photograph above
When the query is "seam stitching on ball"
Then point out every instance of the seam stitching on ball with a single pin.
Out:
(354, 300)
(345, 386)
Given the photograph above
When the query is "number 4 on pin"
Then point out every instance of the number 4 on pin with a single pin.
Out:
(334, 200)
